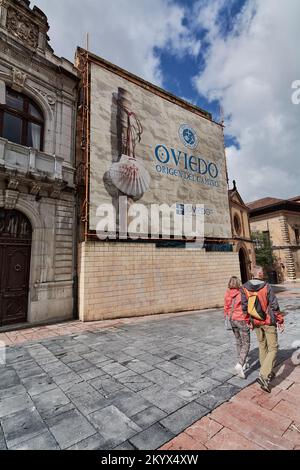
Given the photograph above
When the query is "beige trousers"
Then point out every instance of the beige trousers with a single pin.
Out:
(268, 347)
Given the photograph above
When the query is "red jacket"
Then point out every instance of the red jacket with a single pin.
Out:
(237, 313)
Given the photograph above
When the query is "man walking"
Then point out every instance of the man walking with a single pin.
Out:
(261, 308)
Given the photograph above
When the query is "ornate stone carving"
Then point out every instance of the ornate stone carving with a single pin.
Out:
(13, 184)
(50, 98)
(21, 28)
(35, 189)
(19, 79)
(11, 199)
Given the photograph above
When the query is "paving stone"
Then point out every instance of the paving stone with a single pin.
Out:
(162, 378)
(44, 441)
(149, 359)
(38, 384)
(9, 378)
(30, 372)
(106, 386)
(138, 366)
(80, 366)
(22, 426)
(16, 354)
(129, 403)
(149, 416)
(163, 399)
(187, 363)
(217, 396)
(70, 428)
(125, 446)
(12, 391)
(114, 425)
(92, 373)
(86, 398)
(2, 440)
(219, 374)
(133, 381)
(96, 357)
(95, 442)
(152, 438)
(65, 378)
(172, 369)
(50, 403)
(113, 369)
(12, 404)
(183, 418)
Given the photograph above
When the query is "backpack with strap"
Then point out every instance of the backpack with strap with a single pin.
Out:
(257, 303)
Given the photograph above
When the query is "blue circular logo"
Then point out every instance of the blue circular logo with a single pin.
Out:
(188, 136)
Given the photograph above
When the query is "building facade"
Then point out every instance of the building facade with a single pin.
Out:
(242, 242)
(137, 141)
(38, 96)
(279, 220)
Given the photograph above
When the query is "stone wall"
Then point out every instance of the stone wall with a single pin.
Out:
(132, 279)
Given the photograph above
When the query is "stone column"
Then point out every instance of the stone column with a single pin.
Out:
(288, 254)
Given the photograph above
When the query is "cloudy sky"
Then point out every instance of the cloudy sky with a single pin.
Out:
(242, 55)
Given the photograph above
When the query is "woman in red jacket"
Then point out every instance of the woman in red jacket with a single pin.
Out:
(239, 324)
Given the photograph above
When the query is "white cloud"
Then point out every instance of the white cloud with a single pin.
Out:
(125, 32)
(251, 71)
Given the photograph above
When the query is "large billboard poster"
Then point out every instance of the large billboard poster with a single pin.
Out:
(153, 151)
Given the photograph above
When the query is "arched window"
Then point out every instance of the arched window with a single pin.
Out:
(21, 120)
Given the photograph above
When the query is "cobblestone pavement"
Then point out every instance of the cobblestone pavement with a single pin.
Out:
(133, 384)
(251, 420)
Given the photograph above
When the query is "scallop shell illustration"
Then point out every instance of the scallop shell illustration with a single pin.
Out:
(130, 176)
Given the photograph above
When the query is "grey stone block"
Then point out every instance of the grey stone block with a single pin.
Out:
(70, 428)
(138, 366)
(152, 438)
(149, 359)
(80, 366)
(12, 391)
(113, 368)
(217, 396)
(22, 426)
(65, 378)
(95, 442)
(133, 381)
(149, 416)
(85, 398)
(44, 441)
(129, 403)
(9, 378)
(13, 404)
(162, 378)
(114, 425)
(51, 403)
(172, 369)
(163, 399)
(106, 386)
(125, 446)
(92, 373)
(2, 440)
(38, 384)
(183, 418)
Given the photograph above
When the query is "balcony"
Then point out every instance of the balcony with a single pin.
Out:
(24, 161)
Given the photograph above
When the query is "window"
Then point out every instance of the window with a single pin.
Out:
(237, 224)
(21, 120)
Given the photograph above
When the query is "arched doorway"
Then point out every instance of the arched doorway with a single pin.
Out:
(15, 251)
(243, 265)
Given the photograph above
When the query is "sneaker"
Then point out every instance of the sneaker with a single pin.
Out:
(239, 370)
(264, 384)
(271, 376)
